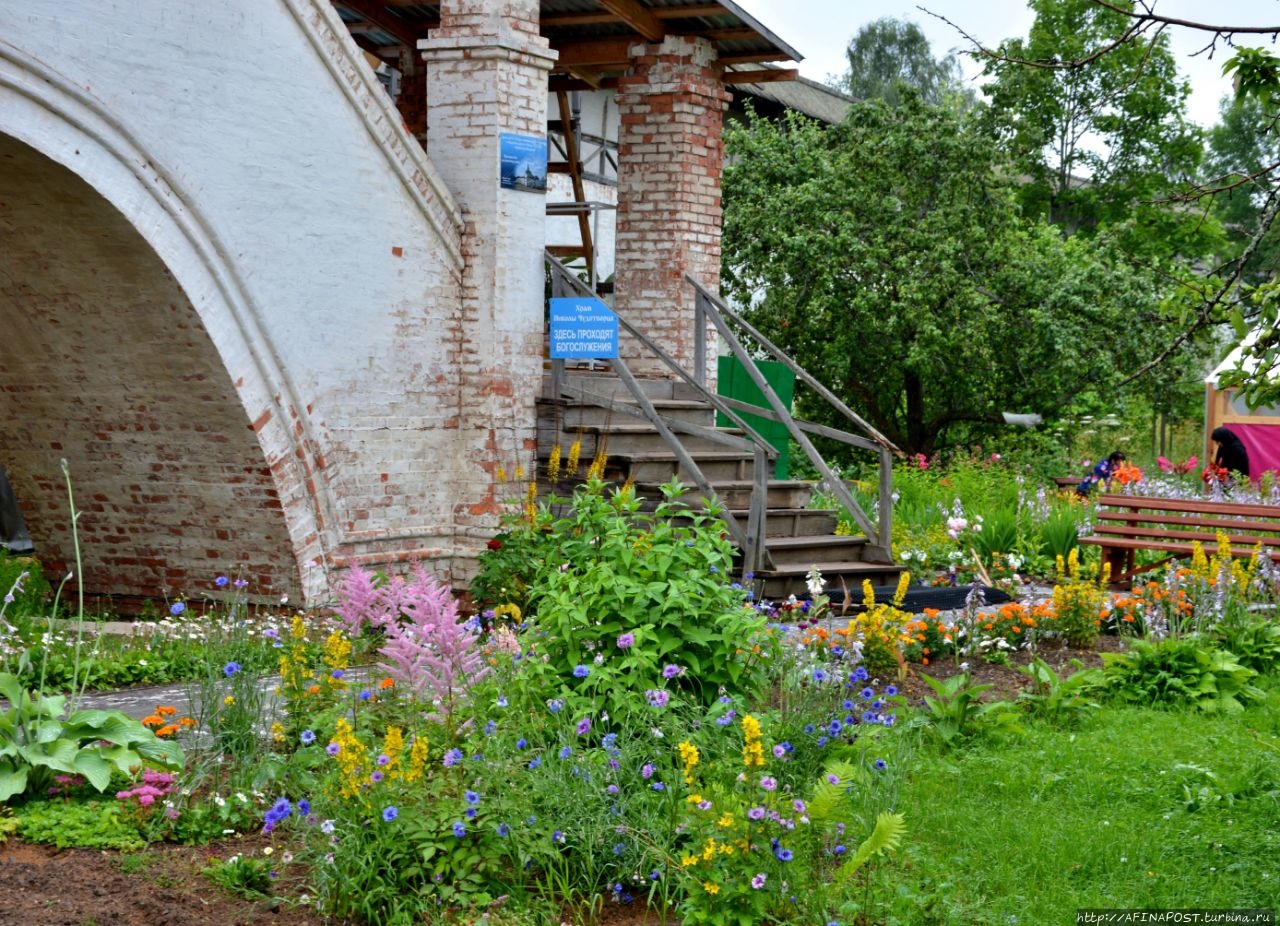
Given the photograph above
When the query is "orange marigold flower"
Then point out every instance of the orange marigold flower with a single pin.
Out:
(386, 683)
(166, 709)
(152, 720)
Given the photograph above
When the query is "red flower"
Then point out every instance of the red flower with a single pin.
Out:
(495, 544)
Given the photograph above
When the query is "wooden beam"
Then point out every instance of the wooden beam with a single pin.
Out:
(762, 76)
(637, 17)
(755, 58)
(595, 19)
(558, 84)
(376, 14)
(575, 176)
(577, 53)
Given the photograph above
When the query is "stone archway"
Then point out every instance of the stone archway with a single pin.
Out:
(107, 363)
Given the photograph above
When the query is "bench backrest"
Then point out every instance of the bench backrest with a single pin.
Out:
(1187, 520)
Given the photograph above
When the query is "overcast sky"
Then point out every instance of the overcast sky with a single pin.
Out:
(821, 29)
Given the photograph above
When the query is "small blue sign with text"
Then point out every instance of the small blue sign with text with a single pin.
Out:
(583, 329)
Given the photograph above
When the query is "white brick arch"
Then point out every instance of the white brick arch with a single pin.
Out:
(65, 123)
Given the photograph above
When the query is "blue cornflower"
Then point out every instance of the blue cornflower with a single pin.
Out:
(469, 813)
(809, 728)
(230, 669)
(555, 705)
(819, 675)
(452, 757)
(840, 850)
(308, 737)
(459, 829)
(535, 762)
(868, 694)
(471, 797)
(337, 674)
(847, 705)
(610, 741)
(521, 743)
(859, 674)
(890, 691)
(389, 814)
(503, 830)
(565, 752)
(658, 786)
(783, 855)
(868, 716)
(557, 836)
(581, 671)
(304, 807)
(366, 695)
(725, 719)
(619, 848)
(834, 728)
(177, 608)
(490, 728)
(221, 581)
(880, 765)
(282, 808)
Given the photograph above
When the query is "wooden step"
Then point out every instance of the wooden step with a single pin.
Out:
(603, 382)
(781, 581)
(805, 551)
(570, 416)
(625, 439)
(660, 466)
(795, 522)
(735, 494)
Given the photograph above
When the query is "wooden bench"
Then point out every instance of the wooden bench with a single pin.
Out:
(1124, 524)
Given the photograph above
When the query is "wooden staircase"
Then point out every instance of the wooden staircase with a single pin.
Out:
(796, 537)
(649, 430)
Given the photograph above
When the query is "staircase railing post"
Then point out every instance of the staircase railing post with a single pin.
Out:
(700, 339)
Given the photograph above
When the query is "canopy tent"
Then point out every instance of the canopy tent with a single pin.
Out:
(1258, 429)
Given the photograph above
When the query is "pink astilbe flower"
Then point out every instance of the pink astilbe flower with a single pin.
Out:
(426, 649)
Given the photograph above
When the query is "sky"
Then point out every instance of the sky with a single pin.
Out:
(821, 29)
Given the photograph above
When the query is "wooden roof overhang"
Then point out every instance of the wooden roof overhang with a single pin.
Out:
(592, 37)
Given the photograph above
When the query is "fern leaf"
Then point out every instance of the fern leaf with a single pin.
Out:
(890, 828)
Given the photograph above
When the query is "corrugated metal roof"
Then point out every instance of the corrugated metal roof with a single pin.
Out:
(592, 36)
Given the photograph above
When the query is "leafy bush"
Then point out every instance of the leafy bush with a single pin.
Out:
(1077, 603)
(653, 586)
(1180, 671)
(80, 824)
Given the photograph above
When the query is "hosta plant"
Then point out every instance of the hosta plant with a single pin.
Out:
(39, 739)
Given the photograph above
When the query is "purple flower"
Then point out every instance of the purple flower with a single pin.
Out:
(452, 757)
(304, 807)
(657, 697)
(779, 751)
(626, 641)
(240, 583)
(383, 760)
(798, 805)
(584, 726)
(758, 881)
(581, 671)
(376, 776)
(783, 855)
(308, 737)
(647, 771)
(612, 789)
(658, 786)
(833, 779)
(768, 783)
(671, 671)
(333, 749)
(755, 813)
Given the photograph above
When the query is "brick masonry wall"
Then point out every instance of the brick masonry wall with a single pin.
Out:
(486, 75)
(106, 363)
(670, 158)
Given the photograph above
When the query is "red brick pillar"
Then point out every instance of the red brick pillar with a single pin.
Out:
(670, 157)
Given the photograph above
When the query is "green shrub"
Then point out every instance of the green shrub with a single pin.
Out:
(1182, 671)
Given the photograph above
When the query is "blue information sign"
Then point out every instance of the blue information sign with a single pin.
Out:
(583, 329)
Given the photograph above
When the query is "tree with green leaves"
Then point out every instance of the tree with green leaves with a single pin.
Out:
(890, 55)
(1100, 146)
(889, 256)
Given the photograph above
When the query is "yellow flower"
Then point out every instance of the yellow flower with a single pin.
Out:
(228, 700)
(688, 861)
(417, 759)
(711, 888)
(709, 850)
(752, 751)
(725, 820)
(392, 747)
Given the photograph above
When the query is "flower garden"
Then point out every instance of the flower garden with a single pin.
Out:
(619, 732)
